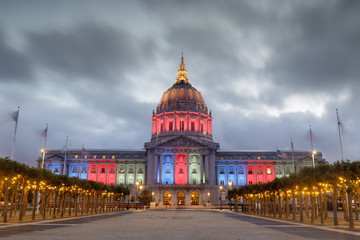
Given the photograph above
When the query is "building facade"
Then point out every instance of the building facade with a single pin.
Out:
(181, 164)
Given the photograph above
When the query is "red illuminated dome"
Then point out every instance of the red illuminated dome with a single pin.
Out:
(182, 96)
(182, 110)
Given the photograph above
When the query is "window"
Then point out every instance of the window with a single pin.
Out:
(288, 170)
(231, 171)
(167, 170)
(194, 171)
(140, 182)
(250, 182)
(131, 170)
(161, 127)
(268, 171)
(250, 171)
(113, 157)
(259, 171)
(74, 170)
(93, 170)
(122, 170)
(104, 156)
(171, 127)
(85, 156)
(181, 170)
(94, 157)
(258, 157)
(222, 171)
(112, 170)
(76, 156)
(56, 170)
(83, 170)
(140, 170)
(241, 171)
(192, 127)
(222, 183)
(181, 125)
(102, 170)
(202, 128)
(278, 171)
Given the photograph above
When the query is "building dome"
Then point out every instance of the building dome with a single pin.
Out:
(182, 96)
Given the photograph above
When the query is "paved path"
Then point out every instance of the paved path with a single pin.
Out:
(169, 225)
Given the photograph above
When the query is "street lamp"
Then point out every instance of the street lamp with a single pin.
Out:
(43, 157)
(168, 201)
(221, 188)
(136, 197)
(230, 183)
(313, 158)
(208, 197)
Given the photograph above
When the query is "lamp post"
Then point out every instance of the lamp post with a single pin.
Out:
(221, 188)
(230, 183)
(43, 157)
(152, 196)
(136, 197)
(313, 158)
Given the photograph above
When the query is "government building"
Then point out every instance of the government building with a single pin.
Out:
(181, 165)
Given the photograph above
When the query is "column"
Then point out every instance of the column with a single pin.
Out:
(201, 169)
(126, 180)
(207, 169)
(160, 169)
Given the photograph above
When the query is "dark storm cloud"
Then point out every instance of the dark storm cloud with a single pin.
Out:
(14, 65)
(91, 50)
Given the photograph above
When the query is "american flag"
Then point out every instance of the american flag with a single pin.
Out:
(281, 154)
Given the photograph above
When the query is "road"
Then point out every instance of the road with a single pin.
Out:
(170, 225)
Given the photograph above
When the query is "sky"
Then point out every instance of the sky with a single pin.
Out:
(95, 70)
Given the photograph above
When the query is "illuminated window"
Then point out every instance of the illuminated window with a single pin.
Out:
(222, 183)
(167, 170)
(182, 125)
(171, 127)
(250, 171)
(93, 170)
(74, 170)
(122, 170)
(56, 170)
(269, 171)
(192, 127)
(222, 171)
(83, 170)
(278, 171)
(94, 156)
(76, 156)
(113, 157)
(139, 181)
(231, 171)
(85, 156)
(288, 170)
(258, 157)
(181, 170)
(131, 170)
(140, 170)
(104, 156)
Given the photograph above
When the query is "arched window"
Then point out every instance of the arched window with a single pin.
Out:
(180, 198)
(167, 198)
(194, 198)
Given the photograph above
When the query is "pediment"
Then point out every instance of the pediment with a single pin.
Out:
(55, 156)
(182, 141)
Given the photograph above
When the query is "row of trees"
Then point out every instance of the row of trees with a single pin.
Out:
(307, 192)
(53, 195)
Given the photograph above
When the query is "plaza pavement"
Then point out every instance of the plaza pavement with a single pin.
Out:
(170, 225)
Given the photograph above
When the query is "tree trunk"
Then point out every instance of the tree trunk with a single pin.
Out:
(274, 205)
(312, 199)
(351, 215)
(344, 202)
(307, 213)
(287, 205)
(12, 202)
(279, 205)
(293, 206)
(34, 203)
(334, 200)
(321, 208)
(325, 206)
(21, 210)
(6, 198)
(301, 212)
(55, 200)
(356, 206)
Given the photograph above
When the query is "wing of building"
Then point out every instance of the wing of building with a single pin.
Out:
(181, 165)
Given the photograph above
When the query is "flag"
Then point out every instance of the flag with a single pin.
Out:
(15, 116)
(281, 154)
(44, 133)
(83, 151)
(292, 145)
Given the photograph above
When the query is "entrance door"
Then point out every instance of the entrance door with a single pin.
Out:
(167, 198)
(194, 198)
(181, 198)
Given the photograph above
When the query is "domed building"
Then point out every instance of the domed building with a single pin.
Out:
(181, 164)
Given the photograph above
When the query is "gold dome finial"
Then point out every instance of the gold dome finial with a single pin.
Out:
(182, 73)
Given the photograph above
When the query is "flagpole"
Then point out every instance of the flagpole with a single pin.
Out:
(81, 161)
(16, 124)
(64, 170)
(292, 154)
(341, 148)
(44, 149)
(311, 140)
